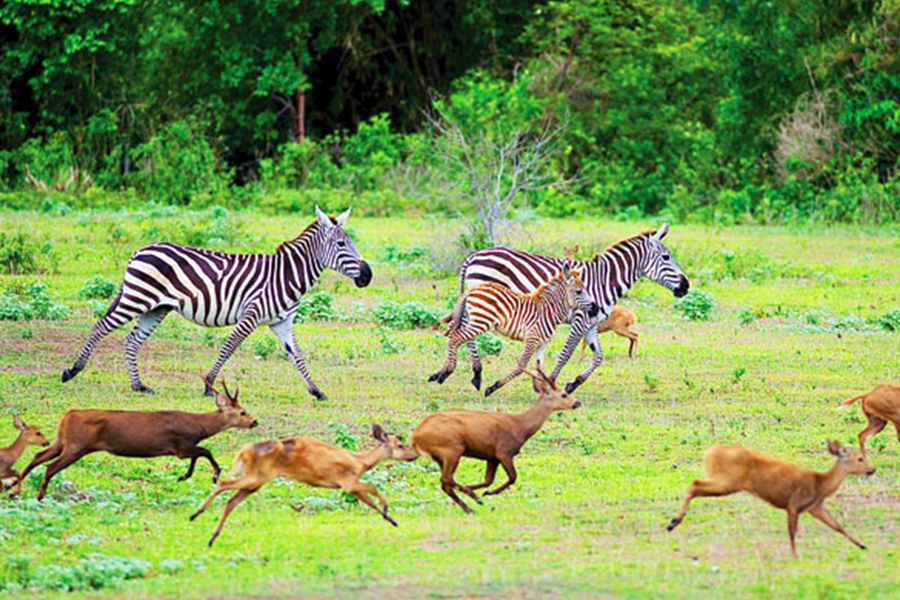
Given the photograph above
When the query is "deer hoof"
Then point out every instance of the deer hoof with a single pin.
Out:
(672, 525)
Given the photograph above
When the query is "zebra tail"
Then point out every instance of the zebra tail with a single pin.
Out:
(850, 401)
(456, 317)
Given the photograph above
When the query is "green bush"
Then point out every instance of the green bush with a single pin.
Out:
(489, 344)
(406, 315)
(697, 305)
(93, 573)
(97, 287)
(18, 254)
(891, 320)
(317, 305)
(30, 302)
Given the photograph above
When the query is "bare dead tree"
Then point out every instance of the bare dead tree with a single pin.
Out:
(495, 176)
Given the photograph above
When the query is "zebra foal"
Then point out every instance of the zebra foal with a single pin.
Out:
(217, 289)
(532, 318)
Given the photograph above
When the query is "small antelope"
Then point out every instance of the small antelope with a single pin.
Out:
(532, 318)
(28, 436)
(496, 438)
(881, 406)
(619, 321)
(141, 435)
(733, 469)
(308, 461)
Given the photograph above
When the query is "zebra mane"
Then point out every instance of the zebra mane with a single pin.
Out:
(642, 234)
(538, 294)
(310, 230)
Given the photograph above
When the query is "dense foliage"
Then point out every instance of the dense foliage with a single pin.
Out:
(711, 110)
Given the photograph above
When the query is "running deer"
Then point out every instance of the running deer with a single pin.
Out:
(28, 436)
(796, 490)
(881, 406)
(142, 434)
(496, 438)
(308, 461)
(619, 321)
(532, 318)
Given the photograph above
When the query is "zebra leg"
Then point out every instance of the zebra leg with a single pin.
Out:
(594, 343)
(285, 332)
(115, 317)
(144, 328)
(245, 326)
(476, 364)
(457, 338)
(531, 346)
(580, 326)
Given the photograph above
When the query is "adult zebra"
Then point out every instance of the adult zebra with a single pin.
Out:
(215, 289)
(607, 276)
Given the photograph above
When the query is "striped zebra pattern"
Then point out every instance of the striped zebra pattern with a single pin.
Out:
(607, 276)
(532, 318)
(215, 289)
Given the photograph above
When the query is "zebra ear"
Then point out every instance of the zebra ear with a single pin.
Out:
(342, 218)
(661, 232)
(324, 219)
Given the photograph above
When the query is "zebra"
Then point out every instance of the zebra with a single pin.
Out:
(607, 276)
(532, 318)
(216, 289)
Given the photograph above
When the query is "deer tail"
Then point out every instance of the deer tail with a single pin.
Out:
(850, 401)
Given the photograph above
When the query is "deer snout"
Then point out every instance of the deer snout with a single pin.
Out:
(45, 443)
(870, 472)
(254, 424)
(576, 404)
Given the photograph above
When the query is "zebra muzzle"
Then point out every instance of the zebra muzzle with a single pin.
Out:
(593, 310)
(682, 289)
(365, 275)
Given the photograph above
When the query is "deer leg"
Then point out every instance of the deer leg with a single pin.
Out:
(17, 485)
(489, 473)
(448, 484)
(594, 343)
(238, 497)
(144, 328)
(42, 457)
(793, 516)
(362, 490)
(875, 426)
(632, 347)
(245, 326)
(823, 515)
(699, 489)
(66, 459)
(223, 486)
(116, 316)
(285, 332)
(531, 346)
(476, 364)
(510, 469)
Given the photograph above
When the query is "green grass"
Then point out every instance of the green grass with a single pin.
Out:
(596, 486)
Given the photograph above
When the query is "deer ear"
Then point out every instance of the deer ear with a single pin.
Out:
(540, 383)
(378, 433)
(834, 448)
(19, 423)
(324, 220)
(342, 218)
(222, 400)
(661, 232)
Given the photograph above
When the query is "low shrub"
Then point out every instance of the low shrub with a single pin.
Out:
(317, 305)
(407, 315)
(489, 344)
(97, 288)
(93, 573)
(30, 302)
(697, 305)
(890, 320)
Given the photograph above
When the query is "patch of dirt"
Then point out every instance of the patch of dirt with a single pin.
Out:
(402, 592)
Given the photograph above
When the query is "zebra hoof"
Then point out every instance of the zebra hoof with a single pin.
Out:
(143, 389)
(209, 392)
(319, 395)
(572, 386)
(491, 390)
(476, 381)
(69, 374)
(434, 377)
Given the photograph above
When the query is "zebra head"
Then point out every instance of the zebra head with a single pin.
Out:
(578, 296)
(338, 251)
(659, 265)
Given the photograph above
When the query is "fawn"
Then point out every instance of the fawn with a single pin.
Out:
(881, 406)
(496, 438)
(733, 469)
(28, 436)
(308, 461)
(532, 318)
(619, 321)
(141, 435)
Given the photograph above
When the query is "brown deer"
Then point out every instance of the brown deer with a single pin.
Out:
(28, 436)
(308, 461)
(619, 321)
(796, 490)
(881, 406)
(496, 438)
(141, 435)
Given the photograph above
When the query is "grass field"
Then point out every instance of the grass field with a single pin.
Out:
(795, 331)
